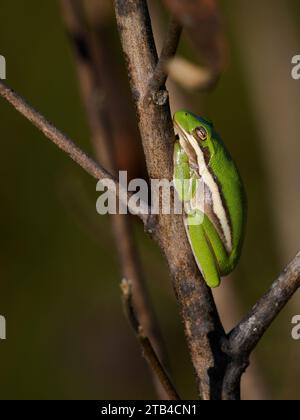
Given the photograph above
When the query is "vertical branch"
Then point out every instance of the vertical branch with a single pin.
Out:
(90, 68)
(202, 325)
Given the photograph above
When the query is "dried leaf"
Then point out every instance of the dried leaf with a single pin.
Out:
(187, 74)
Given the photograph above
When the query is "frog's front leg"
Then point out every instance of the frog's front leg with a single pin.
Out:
(184, 177)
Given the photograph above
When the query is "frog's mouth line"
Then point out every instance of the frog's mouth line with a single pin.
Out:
(190, 149)
(187, 146)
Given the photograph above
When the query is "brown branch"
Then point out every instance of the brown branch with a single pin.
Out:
(247, 334)
(94, 78)
(202, 325)
(71, 149)
(147, 348)
(169, 49)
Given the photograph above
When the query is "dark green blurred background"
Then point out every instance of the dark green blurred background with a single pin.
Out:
(66, 332)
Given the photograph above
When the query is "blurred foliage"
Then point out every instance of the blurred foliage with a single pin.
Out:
(67, 336)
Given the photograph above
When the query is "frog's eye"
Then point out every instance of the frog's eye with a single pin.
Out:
(201, 133)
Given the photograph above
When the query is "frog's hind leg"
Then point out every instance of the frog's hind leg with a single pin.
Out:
(223, 258)
(203, 251)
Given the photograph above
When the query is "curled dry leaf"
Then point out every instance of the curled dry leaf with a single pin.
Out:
(187, 74)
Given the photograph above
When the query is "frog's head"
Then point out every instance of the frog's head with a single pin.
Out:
(191, 125)
(196, 135)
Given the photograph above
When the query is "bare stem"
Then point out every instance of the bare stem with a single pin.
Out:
(169, 49)
(245, 336)
(147, 348)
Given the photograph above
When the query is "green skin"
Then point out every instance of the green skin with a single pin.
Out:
(214, 259)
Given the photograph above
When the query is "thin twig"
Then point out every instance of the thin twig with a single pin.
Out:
(246, 335)
(94, 74)
(169, 49)
(70, 148)
(148, 350)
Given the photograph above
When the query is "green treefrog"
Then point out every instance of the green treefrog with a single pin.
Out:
(207, 181)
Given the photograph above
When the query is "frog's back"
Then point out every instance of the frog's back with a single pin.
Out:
(232, 189)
